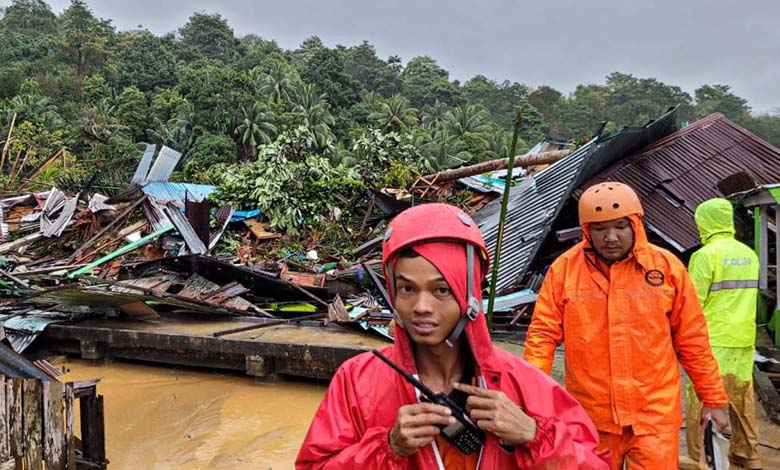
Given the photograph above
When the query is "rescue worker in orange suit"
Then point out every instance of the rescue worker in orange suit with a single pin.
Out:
(725, 273)
(434, 260)
(626, 311)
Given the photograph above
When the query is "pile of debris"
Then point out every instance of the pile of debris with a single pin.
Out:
(150, 250)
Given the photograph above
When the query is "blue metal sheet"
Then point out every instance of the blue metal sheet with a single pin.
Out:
(164, 191)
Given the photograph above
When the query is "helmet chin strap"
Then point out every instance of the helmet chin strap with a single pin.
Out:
(472, 305)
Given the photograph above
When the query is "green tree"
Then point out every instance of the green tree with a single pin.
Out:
(325, 69)
(206, 36)
(370, 72)
(208, 151)
(133, 111)
(635, 101)
(433, 117)
(315, 117)
(214, 91)
(719, 99)
(95, 90)
(546, 99)
(424, 82)
(394, 114)
(255, 128)
(276, 79)
(500, 100)
(467, 119)
(86, 41)
(30, 17)
(254, 50)
(147, 62)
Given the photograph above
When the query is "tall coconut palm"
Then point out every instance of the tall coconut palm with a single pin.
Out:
(467, 118)
(278, 82)
(433, 116)
(313, 110)
(394, 114)
(255, 127)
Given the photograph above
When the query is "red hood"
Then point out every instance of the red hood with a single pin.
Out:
(450, 260)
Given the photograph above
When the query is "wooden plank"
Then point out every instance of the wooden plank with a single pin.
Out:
(5, 450)
(92, 432)
(70, 441)
(33, 420)
(54, 450)
(14, 393)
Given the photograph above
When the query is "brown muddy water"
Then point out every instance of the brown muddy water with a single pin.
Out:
(161, 418)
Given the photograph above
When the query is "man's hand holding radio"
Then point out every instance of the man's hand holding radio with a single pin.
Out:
(416, 426)
(494, 412)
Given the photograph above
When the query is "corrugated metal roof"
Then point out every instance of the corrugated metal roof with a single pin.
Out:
(165, 191)
(143, 167)
(532, 208)
(164, 165)
(534, 204)
(677, 173)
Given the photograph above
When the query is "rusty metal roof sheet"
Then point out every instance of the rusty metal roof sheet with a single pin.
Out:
(677, 173)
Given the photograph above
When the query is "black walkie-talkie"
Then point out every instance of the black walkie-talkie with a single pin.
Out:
(463, 433)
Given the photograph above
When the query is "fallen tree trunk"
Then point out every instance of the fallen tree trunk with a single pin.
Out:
(526, 160)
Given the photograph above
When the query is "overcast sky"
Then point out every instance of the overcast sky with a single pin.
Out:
(560, 43)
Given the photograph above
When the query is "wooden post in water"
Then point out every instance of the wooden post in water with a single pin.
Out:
(5, 449)
(33, 411)
(53, 426)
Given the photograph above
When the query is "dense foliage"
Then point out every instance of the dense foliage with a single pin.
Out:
(280, 129)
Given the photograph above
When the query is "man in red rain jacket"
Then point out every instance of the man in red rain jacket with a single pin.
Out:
(371, 418)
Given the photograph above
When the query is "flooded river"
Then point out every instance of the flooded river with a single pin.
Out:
(174, 419)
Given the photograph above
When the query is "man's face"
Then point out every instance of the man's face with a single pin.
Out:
(612, 239)
(424, 301)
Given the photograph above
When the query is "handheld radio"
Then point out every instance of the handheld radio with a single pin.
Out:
(463, 433)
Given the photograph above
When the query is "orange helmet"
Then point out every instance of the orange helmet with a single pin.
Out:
(608, 201)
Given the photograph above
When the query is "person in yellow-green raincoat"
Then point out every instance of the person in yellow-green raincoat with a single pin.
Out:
(725, 274)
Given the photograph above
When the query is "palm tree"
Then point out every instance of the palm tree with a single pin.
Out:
(467, 118)
(278, 82)
(255, 127)
(433, 117)
(444, 151)
(315, 115)
(394, 114)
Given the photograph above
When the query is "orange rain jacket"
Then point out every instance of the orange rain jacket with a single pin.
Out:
(624, 327)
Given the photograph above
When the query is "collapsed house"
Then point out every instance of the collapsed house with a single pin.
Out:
(147, 254)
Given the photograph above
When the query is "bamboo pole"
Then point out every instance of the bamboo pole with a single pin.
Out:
(502, 217)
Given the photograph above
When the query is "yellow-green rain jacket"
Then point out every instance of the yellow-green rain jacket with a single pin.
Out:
(725, 273)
